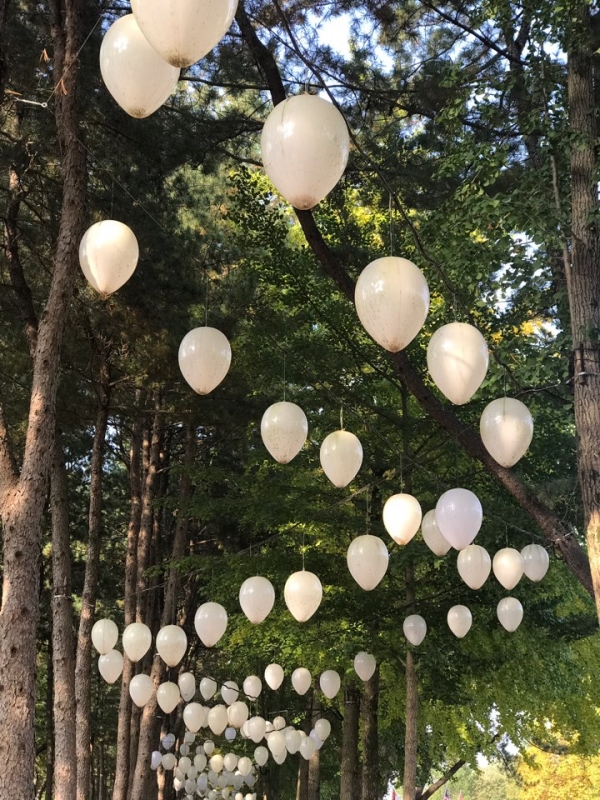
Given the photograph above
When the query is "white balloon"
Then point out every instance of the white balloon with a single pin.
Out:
(256, 729)
(415, 628)
(208, 688)
(135, 75)
(279, 723)
(168, 696)
(506, 428)
(432, 535)
(184, 764)
(276, 742)
(110, 666)
(460, 620)
(184, 750)
(190, 786)
(261, 756)
(367, 559)
(274, 676)
(457, 359)
(402, 517)
(284, 429)
(257, 597)
(392, 301)
(185, 31)
(305, 146)
(341, 457)
(171, 644)
(244, 766)
(108, 256)
(140, 689)
(217, 719)
(239, 796)
(202, 782)
(230, 762)
(195, 717)
(303, 594)
(364, 666)
(318, 742)
(204, 358)
(230, 692)
(199, 761)
(252, 686)
(292, 741)
(104, 636)
(168, 761)
(301, 680)
(458, 515)
(188, 736)
(230, 734)
(508, 567)
(187, 685)
(216, 763)
(210, 623)
(209, 747)
(307, 748)
(330, 683)
(323, 729)
(535, 562)
(168, 741)
(510, 613)
(474, 565)
(156, 759)
(279, 759)
(237, 713)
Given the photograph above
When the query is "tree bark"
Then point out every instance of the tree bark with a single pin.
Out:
(49, 782)
(370, 707)
(411, 737)
(350, 787)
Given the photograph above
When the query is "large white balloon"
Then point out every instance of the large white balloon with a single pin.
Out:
(110, 665)
(432, 535)
(168, 696)
(257, 597)
(183, 32)
(303, 594)
(194, 716)
(208, 688)
(204, 358)
(274, 676)
(535, 562)
(510, 613)
(367, 559)
(506, 428)
(134, 73)
(330, 683)
(230, 692)
(210, 623)
(171, 644)
(341, 457)
(261, 756)
(392, 301)
(402, 517)
(458, 515)
(323, 729)
(187, 685)
(284, 429)
(104, 636)
(217, 719)
(474, 565)
(252, 686)
(108, 256)
(414, 628)
(276, 742)
(301, 680)
(508, 567)
(305, 146)
(457, 359)
(460, 620)
(140, 689)
(364, 666)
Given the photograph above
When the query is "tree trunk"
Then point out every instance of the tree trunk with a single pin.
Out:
(23, 495)
(370, 771)
(63, 641)
(411, 737)
(350, 788)
(49, 782)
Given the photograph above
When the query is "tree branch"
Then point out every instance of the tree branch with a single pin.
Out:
(432, 788)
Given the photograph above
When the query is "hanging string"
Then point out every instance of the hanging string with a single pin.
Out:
(391, 223)
(206, 296)
(368, 510)
(342, 418)
(303, 548)
(284, 381)
(454, 307)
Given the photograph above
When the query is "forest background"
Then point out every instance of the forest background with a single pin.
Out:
(123, 494)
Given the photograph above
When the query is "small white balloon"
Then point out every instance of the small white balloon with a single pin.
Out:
(189, 737)
(141, 688)
(432, 535)
(256, 728)
(204, 358)
(261, 756)
(209, 747)
(156, 759)
(510, 613)
(303, 594)
(184, 763)
(323, 729)
(217, 719)
(279, 723)
(301, 680)
(171, 644)
(216, 762)
(252, 686)
(367, 559)
(415, 629)
(169, 761)
(460, 620)
(257, 597)
(458, 515)
(210, 623)
(474, 565)
(341, 457)
(506, 428)
(330, 683)
(508, 567)
(200, 761)
(535, 562)
(108, 256)
(237, 713)
(274, 675)
(230, 734)
(402, 517)
(104, 636)
(284, 429)
(292, 741)
(168, 696)
(168, 741)
(110, 666)
(244, 766)
(229, 762)
(195, 717)
(208, 688)
(279, 759)
(364, 666)
(230, 692)
(307, 748)
(276, 742)
(457, 359)
(187, 685)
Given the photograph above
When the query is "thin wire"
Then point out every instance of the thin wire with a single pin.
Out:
(391, 222)
(69, 66)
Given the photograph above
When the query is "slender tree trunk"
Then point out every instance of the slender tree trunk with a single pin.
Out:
(350, 788)
(313, 789)
(370, 771)
(409, 783)
(49, 727)
(302, 782)
(88, 599)
(63, 641)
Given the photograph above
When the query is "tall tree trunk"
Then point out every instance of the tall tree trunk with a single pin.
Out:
(370, 707)
(350, 788)
(313, 789)
(63, 641)
(583, 281)
(23, 494)
(409, 783)
(302, 782)
(49, 728)
(90, 586)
